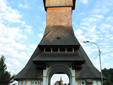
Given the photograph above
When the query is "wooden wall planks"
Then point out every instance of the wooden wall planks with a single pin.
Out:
(54, 3)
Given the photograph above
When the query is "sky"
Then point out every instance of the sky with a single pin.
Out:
(22, 24)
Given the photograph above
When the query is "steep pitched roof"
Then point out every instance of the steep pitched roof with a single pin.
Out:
(30, 71)
(59, 35)
(88, 69)
(60, 57)
(67, 37)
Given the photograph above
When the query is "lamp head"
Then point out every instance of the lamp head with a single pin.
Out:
(85, 41)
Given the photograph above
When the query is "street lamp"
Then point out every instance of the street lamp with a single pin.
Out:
(99, 58)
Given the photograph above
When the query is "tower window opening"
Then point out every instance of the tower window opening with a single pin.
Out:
(42, 50)
(62, 49)
(55, 49)
(69, 50)
(74, 50)
(48, 50)
(58, 38)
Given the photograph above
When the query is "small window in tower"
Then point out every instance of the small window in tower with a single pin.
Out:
(69, 50)
(62, 49)
(42, 50)
(58, 38)
(48, 50)
(75, 50)
(55, 49)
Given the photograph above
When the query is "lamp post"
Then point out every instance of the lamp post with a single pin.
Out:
(99, 58)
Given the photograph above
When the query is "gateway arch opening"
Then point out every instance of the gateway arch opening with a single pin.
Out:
(58, 71)
(59, 79)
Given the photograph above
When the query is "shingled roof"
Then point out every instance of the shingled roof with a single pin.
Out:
(59, 35)
(30, 71)
(59, 57)
(88, 70)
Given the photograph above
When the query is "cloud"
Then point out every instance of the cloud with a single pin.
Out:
(24, 6)
(9, 15)
(109, 19)
(106, 28)
(97, 27)
(13, 38)
(28, 29)
(103, 10)
(85, 24)
(90, 19)
(98, 16)
(41, 8)
(32, 46)
(40, 35)
(87, 33)
(14, 65)
(43, 26)
(84, 1)
(87, 49)
(78, 32)
(10, 34)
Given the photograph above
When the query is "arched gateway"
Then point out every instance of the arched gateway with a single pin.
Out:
(54, 70)
(59, 68)
(59, 51)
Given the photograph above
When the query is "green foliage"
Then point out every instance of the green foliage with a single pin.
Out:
(5, 76)
(108, 73)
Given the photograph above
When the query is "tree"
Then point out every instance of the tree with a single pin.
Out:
(108, 73)
(5, 76)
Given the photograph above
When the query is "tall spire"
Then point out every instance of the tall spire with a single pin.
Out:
(59, 29)
(60, 78)
(61, 81)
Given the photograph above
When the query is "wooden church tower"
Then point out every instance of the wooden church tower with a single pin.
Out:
(59, 51)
